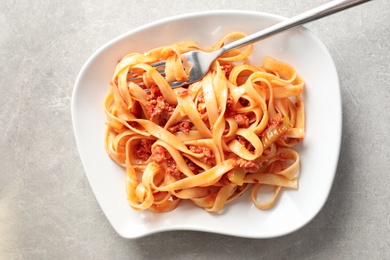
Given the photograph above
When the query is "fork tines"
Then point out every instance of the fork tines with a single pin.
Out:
(160, 65)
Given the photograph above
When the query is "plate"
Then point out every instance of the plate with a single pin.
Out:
(319, 151)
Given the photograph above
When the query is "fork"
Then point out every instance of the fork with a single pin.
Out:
(201, 61)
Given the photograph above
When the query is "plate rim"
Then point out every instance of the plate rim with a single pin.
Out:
(260, 15)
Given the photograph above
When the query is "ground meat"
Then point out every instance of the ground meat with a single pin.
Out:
(154, 92)
(227, 68)
(242, 120)
(184, 127)
(193, 167)
(244, 102)
(249, 166)
(172, 169)
(242, 141)
(276, 121)
(226, 130)
(201, 106)
(229, 101)
(143, 149)
(201, 98)
(202, 110)
(157, 109)
(229, 112)
(160, 154)
(208, 157)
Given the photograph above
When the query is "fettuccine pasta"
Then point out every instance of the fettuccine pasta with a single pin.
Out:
(210, 142)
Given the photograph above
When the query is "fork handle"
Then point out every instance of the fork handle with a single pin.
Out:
(308, 16)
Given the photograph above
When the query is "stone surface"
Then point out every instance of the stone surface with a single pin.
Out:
(47, 208)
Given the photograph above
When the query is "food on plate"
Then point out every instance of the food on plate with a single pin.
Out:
(231, 132)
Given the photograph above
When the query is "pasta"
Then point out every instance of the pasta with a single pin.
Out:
(232, 131)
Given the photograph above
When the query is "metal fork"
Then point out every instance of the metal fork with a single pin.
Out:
(201, 61)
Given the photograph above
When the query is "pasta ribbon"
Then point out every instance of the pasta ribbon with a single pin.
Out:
(210, 142)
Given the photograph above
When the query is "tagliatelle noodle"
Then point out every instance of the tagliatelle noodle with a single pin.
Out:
(208, 143)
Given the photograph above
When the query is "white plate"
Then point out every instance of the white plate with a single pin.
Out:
(319, 151)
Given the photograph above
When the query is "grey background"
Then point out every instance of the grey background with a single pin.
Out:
(47, 209)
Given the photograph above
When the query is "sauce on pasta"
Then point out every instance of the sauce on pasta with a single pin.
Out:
(231, 132)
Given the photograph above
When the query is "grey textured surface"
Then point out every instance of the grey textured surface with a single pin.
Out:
(47, 209)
